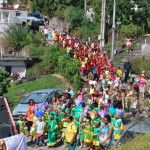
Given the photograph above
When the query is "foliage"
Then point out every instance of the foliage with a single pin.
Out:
(45, 82)
(55, 60)
(141, 64)
(4, 82)
(74, 16)
(16, 36)
(131, 30)
(54, 7)
(89, 28)
(125, 12)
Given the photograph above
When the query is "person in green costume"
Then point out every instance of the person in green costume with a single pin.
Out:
(118, 127)
(58, 119)
(52, 128)
(88, 134)
(81, 134)
(95, 119)
(21, 123)
(95, 136)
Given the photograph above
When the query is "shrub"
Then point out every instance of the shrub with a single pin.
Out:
(141, 64)
(4, 81)
(131, 30)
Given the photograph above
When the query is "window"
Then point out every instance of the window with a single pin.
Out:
(50, 97)
(18, 14)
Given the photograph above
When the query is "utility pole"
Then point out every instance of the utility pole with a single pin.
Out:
(113, 30)
(85, 4)
(103, 22)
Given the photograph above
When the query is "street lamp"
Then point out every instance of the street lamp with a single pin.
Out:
(113, 30)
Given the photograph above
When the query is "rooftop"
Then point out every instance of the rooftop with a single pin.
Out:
(12, 8)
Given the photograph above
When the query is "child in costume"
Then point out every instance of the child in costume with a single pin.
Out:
(58, 119)
(52, 129)
(39, 131)
(88, 134)
(81, 134)
(65, 124)
(118, 127)
(33, 128)
(21, 124)
(95, 137)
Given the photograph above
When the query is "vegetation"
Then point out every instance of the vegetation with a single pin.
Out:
(135, 144)
(4, 81)
(141, 64)
(55, 60)
(18, 37)
(45, 82)
(131, 30)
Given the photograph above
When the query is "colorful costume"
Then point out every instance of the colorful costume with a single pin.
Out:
(52, 133)
(118, 127)
(95, 136)
(21, 125)
(88, 134)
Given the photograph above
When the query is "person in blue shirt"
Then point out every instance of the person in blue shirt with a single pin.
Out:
(95, 72)
(70, 91)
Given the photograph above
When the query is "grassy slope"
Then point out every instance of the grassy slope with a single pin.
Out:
(45, 82)
(138, 143)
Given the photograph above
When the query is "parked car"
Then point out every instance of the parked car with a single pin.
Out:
(40, 97)
(135, 129)
(40, 20)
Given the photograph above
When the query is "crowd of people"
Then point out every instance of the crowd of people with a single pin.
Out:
(92, 117)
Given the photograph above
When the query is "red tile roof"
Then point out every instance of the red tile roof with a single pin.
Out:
(12, 8)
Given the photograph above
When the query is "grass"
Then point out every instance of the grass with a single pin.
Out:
(45, 82)
(140, 142)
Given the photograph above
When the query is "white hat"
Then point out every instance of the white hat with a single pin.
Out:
(143, 71)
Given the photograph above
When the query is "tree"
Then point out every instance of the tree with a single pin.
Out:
(4, 82)
(16, 36)
(54, 7)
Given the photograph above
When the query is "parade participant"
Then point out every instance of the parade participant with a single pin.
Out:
(118, 125)
(21, 123)
(128, 44)
(29, 116)
(127, 69)
(52, 129)
(40, 132)
(142, 85)
(106, 132)
(88, 134)
(71, 133)
(95, 135)
(81, 134)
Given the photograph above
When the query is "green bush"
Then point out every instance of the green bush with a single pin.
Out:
(131, 30)
(4, 81)
(141, 64)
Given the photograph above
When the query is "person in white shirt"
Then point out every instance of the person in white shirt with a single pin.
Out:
(40, 132)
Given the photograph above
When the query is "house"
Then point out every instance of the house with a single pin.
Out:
(17, 64)
(6, 13)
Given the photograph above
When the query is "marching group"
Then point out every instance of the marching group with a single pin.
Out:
(93, 116)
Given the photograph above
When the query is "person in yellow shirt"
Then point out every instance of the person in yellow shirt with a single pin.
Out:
(119, 72)
(71, 133)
